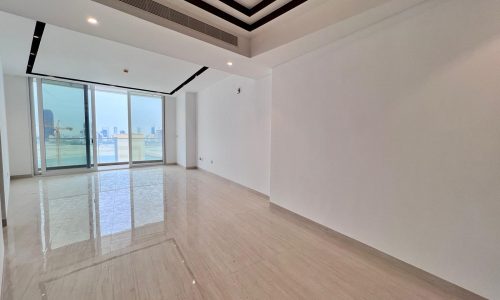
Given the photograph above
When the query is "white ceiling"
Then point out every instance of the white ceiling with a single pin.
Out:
(68, 53)
(15, 42)
(160, 58)
(81, 56)
(124, 28)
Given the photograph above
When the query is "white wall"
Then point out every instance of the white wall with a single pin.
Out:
(234, 131)
(4, 150)
(4, 167)
(191, 147)
(186, 129)
(19, 124)
(170, 130)
(181, 128)
(392, 136)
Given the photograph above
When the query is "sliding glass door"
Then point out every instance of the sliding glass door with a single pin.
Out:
(66, 134)
(146, 126)
(111, 108)
(128, 127)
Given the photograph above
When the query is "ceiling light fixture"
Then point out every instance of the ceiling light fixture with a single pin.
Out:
(92, 21)
(229, 63)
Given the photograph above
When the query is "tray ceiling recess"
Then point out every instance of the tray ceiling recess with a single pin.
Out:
(35, 46)
(247, 11)
(167, 13)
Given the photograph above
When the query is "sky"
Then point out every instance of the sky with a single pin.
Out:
(111, 111)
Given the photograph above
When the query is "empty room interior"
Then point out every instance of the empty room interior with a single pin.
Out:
(250, 149)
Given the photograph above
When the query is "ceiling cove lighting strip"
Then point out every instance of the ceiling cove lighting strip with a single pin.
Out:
(235, 21)
(35, 45)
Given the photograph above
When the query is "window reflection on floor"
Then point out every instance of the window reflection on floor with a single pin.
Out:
(102, 209)
(69, 221)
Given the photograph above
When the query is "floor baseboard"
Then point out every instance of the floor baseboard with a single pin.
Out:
(20, 176)
(233, 182)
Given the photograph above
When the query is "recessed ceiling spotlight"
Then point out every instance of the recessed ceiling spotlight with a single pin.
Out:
(92, 21)
(229, 63)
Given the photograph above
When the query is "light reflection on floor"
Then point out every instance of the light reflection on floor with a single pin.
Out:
(170, 233)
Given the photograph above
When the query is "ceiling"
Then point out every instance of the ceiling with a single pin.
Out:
(15, 42)
(65, 53)
(69, 54)
(126, 29)
(159, 57)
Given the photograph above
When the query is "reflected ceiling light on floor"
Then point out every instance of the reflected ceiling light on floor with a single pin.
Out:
(92, 21)
(229, 63)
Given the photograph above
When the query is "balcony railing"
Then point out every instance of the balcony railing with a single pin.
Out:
(72, 151)
(116, 150)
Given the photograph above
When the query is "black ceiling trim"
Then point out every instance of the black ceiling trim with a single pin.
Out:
(203, 69)
(219, 13)
(35, 45)
(249, 27)
(245, 10)
(280, 11)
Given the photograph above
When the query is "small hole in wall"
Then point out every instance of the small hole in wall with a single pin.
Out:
(238, 91)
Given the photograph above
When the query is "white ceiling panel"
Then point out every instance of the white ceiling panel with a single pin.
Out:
(124, 28)
(72, 54)
(16, 34)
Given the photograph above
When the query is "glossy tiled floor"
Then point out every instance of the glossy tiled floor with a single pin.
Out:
(168, 233)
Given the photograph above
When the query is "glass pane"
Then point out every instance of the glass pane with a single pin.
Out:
(37, 124)
(112, 126)
(147, 128)
(64, 124)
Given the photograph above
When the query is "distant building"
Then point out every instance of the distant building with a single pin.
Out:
(104, 132)
(153, 131)
(115, 130)
(48, 123)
